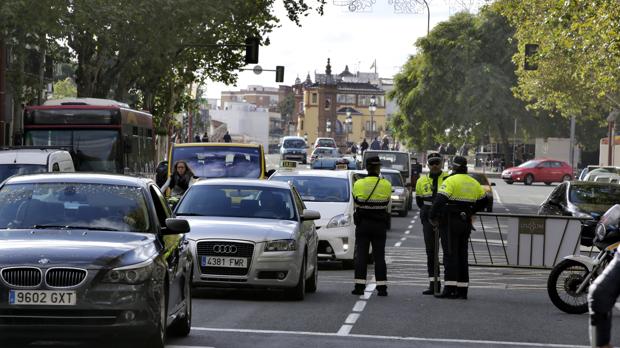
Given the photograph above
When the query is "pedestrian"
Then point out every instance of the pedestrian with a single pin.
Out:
(386, 143)
(353, 149)
(227, 138)
(602, 296)
(180, 180)
(364, 146)
(375, 145)
(205, 138)
(457, 199)
(197, 138)
(425, 192)
(372, 199)
(416, 171)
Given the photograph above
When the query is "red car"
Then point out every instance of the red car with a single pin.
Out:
(539, 170)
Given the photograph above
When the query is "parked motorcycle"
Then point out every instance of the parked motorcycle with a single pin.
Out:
(570, 279)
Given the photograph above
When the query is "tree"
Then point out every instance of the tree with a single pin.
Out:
(64, 89)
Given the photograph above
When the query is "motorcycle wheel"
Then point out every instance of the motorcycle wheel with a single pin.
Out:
(563, 282)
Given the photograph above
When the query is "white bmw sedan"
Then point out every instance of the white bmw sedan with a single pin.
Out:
(251, 233)
(329, 193)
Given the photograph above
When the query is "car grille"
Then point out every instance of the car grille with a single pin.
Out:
(22, 277)
(64, 277)
(242, 250)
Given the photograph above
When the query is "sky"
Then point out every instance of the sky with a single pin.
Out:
(355, 39)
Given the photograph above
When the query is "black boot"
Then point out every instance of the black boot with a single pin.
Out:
(382, 289)
(449, 291)
(461, 293)
(359, 289)
(431, 288)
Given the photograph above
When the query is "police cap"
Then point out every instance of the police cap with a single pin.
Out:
(373, 161)
(433, 158)
(459, 161)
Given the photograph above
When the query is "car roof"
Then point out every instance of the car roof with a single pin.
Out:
(316, 173)
(390, 170)
(242, 182)
(216, 145)
(85, 178)
(292, 137)
(591, 183)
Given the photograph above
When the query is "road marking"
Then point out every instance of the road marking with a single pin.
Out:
(344, 330)
(410, 226)
(403, 239)
(359, 306)
(407, 232)
(352, 318)
(496, 195)
(382, 337)
(397, 244)
(371, 287)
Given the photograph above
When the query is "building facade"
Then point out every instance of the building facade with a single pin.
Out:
(321, 107)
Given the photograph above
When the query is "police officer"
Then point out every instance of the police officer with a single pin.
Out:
(458, 198)
(425, 192)
(602, 296)
(372, 198)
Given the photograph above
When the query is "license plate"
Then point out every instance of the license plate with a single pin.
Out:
(42, 297)
(223, 261)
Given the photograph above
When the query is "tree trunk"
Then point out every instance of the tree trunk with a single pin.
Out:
(505, 145)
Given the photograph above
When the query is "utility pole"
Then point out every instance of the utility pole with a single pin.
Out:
(572, 141)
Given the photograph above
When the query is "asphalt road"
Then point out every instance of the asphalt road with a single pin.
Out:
(506, 307)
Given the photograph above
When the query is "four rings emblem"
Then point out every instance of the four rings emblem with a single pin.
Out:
(224, 249)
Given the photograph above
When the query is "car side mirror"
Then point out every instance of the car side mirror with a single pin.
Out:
(493, 184)
(175, 226)
(310, 215)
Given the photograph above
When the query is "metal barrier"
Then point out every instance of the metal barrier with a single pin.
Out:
(523, 240)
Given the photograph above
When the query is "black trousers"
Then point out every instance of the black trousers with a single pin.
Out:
(602, 297)
(370, 232)
(429, 241)
(455, 233)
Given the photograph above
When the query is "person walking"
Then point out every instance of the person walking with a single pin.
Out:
(372, 199)
(353, 149)
(227, 137)
(375, 145)
(180, 180)
(386, 143)
(205, 138)
(602, 296)
(364, 146)
(197, 138)
(425, 192)
(458, 198)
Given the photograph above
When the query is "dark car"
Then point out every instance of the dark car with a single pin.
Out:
(582, 199)
(539, 170)
(91, 255)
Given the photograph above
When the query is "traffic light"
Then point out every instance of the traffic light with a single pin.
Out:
(279, 73)
(251, 50)
(530, 51)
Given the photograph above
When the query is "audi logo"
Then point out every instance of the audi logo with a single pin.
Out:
(224, 249)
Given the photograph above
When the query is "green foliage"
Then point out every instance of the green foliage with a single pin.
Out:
(65, 89)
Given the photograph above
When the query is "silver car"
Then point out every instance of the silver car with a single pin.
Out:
(251, 233)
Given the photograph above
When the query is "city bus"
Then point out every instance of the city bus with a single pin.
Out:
(220, 160)
(101, 135)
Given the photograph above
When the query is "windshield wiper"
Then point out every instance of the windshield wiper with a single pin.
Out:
(75, 227)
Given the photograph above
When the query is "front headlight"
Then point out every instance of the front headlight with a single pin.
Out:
(341, 220)
(133, 274)
(281, 245)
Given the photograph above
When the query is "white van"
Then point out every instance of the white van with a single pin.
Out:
(19, 161)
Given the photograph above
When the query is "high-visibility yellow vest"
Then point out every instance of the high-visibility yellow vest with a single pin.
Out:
(461, 188)
(424, 187)
(380, 198)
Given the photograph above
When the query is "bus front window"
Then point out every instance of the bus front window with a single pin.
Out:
(92, 150)
(220, 161)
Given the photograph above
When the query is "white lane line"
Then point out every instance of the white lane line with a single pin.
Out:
(394, 338)
(403, 239)
(410, 226)
(344, 330)
(359, 306)
(407, 232)
(352, 318)
(371, 287)
(398, 244)
(366, 295)
(496, 195)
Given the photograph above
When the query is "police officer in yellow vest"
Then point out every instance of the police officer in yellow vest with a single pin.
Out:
(425, 192)
(372, 199)
(458, 198)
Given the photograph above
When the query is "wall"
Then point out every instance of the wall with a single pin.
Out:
(556, 148)
(244, 121)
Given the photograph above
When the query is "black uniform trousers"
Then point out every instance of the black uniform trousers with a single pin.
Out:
(429, 240)
(370, 232)
(602, 297)
(455, 231)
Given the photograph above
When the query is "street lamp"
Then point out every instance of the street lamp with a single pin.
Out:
(349, 123)
(372, 107)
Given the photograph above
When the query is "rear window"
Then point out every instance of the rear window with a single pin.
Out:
(294, 143)
(319, 189)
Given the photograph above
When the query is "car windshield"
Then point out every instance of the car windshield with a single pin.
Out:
(294, 144)
(481, 179)
(319, 189)
(323, 152)
(238, 201)
(594, 195)
(7, 170)
(73, 205)
(392, 160)
(529, 164)
(325, 143)
(394, 178)
(220, 161)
